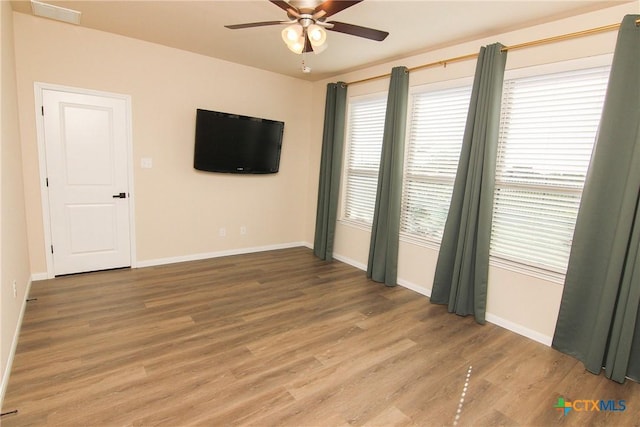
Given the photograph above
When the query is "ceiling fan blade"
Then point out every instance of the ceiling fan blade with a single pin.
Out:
(283, 5)
(292, 12)
(331, 7)
(255, 24)
(356, 30)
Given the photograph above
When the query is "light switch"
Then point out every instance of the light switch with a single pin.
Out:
(146, 163)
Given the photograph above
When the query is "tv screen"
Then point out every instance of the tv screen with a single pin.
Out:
(236, 144)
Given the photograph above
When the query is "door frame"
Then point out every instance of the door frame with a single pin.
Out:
(39, 88)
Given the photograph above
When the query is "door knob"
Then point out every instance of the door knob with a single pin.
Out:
(120, 196)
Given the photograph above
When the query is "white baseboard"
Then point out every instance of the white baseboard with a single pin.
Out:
(404, 283)
(416, 288)
(351, 262)
(217, 254)
(491, 318)
(496, 320)
(519, 329)
(39, 276)
(14, 345)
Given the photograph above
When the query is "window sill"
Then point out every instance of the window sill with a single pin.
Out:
(360, 225)
(419, 241)
(538, 273)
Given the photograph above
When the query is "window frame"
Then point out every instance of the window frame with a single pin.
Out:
(342, 208)
(426, 241)
(533, 71)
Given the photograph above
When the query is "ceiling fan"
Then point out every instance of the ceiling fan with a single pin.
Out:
(308, 22)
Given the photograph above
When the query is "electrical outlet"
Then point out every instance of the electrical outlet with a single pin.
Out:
(243, 230)
(146, 163)
(15, 290)
(222, 232)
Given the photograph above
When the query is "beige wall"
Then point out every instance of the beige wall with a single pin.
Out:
(14, 264)
(520, 302)
(178, 211)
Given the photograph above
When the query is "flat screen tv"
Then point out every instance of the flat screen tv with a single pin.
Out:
(237, 144)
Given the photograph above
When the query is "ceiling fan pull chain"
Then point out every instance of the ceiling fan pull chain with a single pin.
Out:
(305, 68)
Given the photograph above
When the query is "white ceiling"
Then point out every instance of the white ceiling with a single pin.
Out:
(414, 26)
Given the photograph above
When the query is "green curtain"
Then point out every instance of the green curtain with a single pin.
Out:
(330, 170)
(598, 321)
(463, 261)
(385, 232)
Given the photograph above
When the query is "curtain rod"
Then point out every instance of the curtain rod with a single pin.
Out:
(467, 57)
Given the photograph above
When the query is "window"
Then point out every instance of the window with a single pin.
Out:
(548, 127)
(364, 146)
(436, 129)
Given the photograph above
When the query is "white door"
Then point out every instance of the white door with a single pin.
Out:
(87, 181)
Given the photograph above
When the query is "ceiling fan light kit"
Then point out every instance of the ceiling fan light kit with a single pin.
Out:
(317, 35)
(307, 25)
(292, 33)
(293, 38)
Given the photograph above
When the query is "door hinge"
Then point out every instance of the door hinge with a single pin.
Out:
(46, 181)
(51, 248)
(42, 109)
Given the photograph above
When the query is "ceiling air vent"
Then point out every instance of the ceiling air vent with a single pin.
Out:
(55, 12)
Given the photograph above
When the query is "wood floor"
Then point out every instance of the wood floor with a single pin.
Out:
(280, 339)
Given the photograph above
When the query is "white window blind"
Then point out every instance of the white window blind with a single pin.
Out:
(364, 146)
(435, 135)
(548, 127)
